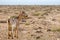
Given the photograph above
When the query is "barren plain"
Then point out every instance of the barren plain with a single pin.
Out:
(43, 24)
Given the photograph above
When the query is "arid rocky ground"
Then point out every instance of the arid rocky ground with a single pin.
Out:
(43, 24)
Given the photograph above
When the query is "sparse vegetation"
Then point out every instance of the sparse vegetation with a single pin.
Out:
(27, 23)
(56, 30)
(40, 23)
(36, 14)
(16, 13)
(39, 13)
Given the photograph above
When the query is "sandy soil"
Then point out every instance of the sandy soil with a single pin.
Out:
(43, 24)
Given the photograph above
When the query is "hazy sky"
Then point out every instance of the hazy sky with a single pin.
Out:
(29, 2)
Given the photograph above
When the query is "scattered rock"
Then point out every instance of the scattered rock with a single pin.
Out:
(39, 31)
(1, 11)
(3, 22)
(53, 19)
(39, 27)
(48, 29)
(32, 35)
(33, 22)
(38, 37)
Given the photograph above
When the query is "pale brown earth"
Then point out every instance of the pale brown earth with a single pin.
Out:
(43, 24)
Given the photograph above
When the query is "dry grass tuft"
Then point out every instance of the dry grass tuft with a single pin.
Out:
(56, 30)
(36, 14)
(27, 23)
